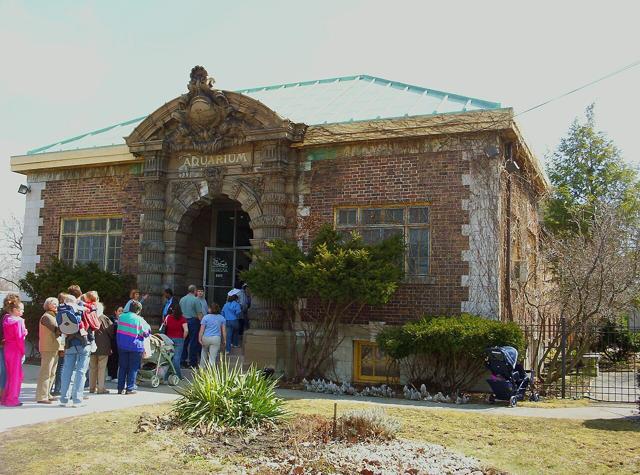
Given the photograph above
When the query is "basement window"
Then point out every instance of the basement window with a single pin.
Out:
(97, 240)
(371, 365)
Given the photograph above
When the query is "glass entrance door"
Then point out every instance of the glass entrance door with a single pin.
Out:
(229, 256)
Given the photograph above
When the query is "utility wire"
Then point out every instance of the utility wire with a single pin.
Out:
(618, 71)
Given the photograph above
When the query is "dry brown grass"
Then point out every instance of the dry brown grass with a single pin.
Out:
(523, 445)
(106, 443)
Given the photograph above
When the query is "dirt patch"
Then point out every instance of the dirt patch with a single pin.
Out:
(305, 445)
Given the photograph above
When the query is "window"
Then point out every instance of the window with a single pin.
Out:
(96, 240)
(378, 223)
(370, 364)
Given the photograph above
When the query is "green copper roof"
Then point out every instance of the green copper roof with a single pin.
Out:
(325, 101)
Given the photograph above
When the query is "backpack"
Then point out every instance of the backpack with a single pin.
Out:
(90, 317)
(68, 320)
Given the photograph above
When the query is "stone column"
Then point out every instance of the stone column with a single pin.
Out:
(152, 246)
(266, 344)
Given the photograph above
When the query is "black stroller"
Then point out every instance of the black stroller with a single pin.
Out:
(508, 380)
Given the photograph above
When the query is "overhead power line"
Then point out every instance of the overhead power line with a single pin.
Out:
(618, 71)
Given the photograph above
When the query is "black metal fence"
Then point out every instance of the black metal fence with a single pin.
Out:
(576, 360)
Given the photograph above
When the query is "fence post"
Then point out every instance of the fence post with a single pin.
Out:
(563, 349)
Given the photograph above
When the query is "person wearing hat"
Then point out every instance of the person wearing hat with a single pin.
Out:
(232, 312)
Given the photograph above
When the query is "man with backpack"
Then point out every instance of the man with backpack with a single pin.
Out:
(77, 323)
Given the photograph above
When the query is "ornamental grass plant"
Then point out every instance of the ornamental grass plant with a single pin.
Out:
(224, 396)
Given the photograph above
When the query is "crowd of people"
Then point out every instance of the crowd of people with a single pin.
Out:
(81, 347)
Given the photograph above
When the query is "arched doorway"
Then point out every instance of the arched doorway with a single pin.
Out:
(213, 244)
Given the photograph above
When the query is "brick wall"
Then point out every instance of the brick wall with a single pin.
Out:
(96, 196)
(432, 177)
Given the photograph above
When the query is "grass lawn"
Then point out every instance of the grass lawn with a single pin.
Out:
(105, 443)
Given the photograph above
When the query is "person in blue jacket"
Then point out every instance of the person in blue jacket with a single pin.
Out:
(232, 312)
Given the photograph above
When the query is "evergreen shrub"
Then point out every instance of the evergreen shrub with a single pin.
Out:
(446, 353)
(57, 276)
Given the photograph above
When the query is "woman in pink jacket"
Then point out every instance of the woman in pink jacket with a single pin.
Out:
(14, 334)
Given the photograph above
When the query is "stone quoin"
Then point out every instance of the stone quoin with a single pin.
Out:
(182, 195)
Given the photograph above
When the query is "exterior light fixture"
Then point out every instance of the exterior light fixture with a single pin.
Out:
(24, 189)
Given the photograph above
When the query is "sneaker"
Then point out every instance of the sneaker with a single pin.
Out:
(78, 404)
(46, 401)
(133, 391)
(53, 398)
(63, 403)
(104, 391)
(92, 391)
(122, 392)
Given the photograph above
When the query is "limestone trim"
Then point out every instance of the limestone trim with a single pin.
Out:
(110, 155)
(32, 222)
(483, 231)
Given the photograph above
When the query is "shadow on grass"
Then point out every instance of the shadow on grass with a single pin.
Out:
(624, 424)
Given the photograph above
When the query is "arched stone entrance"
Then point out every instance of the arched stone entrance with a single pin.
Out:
(211, 248)
(204, 146)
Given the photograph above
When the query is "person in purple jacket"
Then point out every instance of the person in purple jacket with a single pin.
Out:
(132, 330)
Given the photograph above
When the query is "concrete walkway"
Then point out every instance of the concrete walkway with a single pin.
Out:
(590, 412)
(33, 413)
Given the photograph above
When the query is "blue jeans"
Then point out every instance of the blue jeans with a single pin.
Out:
(3, 370)
(128, 365)
(178, 344)
(55, 391)
(233, 327)
(192, 347)
(76, 362)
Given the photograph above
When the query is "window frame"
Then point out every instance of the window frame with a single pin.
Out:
(405, 226)
(107, 233)
(357, 365)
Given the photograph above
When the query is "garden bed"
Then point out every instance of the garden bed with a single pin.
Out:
(305, 445)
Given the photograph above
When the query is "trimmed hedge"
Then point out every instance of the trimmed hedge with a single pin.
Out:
(447, 353)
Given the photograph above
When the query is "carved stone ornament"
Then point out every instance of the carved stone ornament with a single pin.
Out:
(179, 187)
(255, 185)
(214, 177)
(206, 121)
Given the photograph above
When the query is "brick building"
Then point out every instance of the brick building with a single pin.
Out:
(181, 195)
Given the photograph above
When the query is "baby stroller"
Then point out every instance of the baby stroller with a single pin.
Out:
(508, 380)
(158, 364)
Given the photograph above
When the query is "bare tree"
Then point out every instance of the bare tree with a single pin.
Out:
(589, 277)
(11, 252)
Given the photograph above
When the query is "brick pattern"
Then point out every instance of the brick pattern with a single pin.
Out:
(430, 177)
(101, 196)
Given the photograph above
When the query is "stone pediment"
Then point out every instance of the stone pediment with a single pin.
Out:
(206, 120)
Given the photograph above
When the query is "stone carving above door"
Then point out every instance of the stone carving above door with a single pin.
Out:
(206, 120)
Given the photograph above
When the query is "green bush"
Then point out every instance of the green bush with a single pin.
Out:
(225, 396)
(616, 341)
(32, 314)
(57, 276)
(447, 353)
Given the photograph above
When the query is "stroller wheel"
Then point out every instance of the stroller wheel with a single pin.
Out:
(155, 381)
(173, 380)
(513, 401)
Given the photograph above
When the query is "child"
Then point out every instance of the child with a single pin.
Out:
(112, 363)
(14, 334)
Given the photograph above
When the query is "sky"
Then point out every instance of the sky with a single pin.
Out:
(70, 67)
